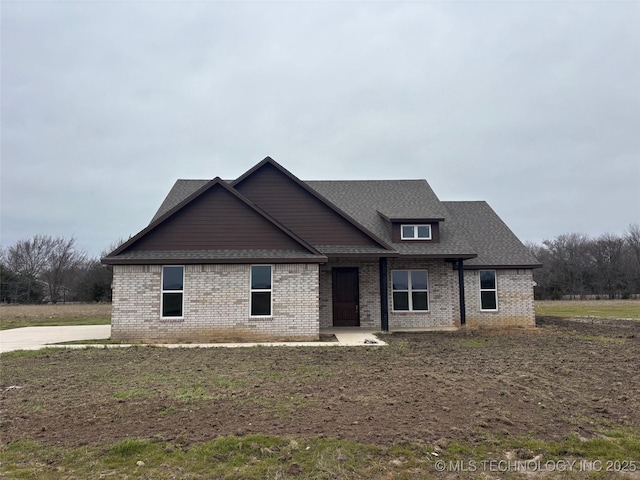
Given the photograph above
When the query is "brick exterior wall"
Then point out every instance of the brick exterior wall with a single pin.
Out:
(216, 302)
(515, 296)
(216, 305)
(443, 295)
(515, 299)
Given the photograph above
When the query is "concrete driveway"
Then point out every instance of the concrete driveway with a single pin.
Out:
(34, 338)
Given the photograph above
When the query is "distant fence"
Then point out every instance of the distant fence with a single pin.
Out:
(633, 296)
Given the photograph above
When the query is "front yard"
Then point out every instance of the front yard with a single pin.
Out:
(567, 390)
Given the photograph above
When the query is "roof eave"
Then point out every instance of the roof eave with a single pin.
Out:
(452, 256)
(210, 261)
(363, 255)
(503, 266)
(392, 219)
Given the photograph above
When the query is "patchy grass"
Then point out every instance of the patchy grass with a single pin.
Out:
(134, 393)
(625, 309)
(192, 393)
(263, 456)
(559, 393)
(17, 316)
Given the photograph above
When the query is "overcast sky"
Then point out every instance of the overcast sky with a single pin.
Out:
(531, 106)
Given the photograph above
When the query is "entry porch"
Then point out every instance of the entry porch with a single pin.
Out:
(366, 293)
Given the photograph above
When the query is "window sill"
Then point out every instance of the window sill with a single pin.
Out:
(260, 317)
(407, 312)
(171, 319)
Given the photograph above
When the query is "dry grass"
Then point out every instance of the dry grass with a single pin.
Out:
(66, 310)
(14, 316)
(627, 309)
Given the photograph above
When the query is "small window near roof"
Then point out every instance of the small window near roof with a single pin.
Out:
(415, 232)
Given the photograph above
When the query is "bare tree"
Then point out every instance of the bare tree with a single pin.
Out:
(633, 240)
(606, 252)
(41, 262)
(28, 259)
(64, 259)
(569, 262)
(112, 246)
(576, 265)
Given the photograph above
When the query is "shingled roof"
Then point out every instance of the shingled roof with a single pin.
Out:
(370, 201)
(181, 190)
(469, 230)
(496, 244)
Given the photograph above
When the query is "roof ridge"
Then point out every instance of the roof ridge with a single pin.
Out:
(373, 180)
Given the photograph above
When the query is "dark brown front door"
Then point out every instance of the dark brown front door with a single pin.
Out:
(346, 309)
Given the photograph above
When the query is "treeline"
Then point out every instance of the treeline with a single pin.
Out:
(577, 266)
(52, 269)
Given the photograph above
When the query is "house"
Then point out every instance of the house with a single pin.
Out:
(269, 256)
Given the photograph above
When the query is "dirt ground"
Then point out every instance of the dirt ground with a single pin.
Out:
(567, 376)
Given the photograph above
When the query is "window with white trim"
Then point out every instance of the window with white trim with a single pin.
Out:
(261, 281)
(415, 232)
(410, 290)
(172, 291)
(488, 290)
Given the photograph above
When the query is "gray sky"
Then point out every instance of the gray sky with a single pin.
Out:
(532, 106)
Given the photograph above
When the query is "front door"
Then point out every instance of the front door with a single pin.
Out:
(346, 308)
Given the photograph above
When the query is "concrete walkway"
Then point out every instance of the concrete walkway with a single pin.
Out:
(35, 338)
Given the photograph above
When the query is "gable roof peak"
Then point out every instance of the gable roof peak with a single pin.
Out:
(217, 182)
(265, 161)
(268, 161)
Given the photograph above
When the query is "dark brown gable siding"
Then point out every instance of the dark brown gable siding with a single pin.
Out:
(216, 220)
(299, 210)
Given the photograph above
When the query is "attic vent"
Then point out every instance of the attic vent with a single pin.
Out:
(416, 232)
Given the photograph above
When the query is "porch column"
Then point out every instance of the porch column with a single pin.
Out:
(384, 295)
(463, 313)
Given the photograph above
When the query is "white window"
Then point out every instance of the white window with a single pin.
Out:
(410, 290)
(261, 280)
(488, 290)
(415, 232)
(172, 291)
